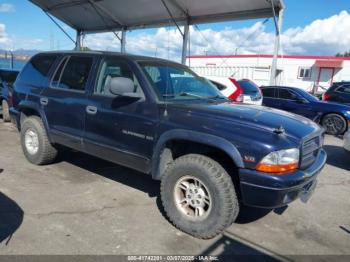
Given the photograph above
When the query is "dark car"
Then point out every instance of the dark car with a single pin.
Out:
(333, 117)
(211, 155)
(339, 92)
(7, 78)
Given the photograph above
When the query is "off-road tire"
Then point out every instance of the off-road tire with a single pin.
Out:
(46, 153)
(225, 207)
(340, 130)
(5, 111)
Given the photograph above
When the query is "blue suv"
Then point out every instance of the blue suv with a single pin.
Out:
(160, 118)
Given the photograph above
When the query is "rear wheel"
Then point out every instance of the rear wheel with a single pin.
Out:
(198, 196)
(35, 143)
(5, 111)
(335, 124)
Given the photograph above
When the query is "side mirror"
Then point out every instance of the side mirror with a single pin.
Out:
(120, 86)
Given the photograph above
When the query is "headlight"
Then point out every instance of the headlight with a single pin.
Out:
(280, 162)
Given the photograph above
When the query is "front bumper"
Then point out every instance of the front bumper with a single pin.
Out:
(272, 191)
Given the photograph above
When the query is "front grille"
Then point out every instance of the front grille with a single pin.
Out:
(309, 151)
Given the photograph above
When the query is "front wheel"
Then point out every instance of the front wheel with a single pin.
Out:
(335, 124)
(198, 196)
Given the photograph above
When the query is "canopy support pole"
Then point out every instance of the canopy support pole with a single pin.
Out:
(185, 43)
(278, 25)
(79, 41)
(123, 42)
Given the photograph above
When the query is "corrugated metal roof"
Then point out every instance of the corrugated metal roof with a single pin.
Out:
(107, 15)
(329, 63)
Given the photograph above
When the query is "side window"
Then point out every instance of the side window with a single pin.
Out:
(286, 94)
(37, 69)
(269, 92)
(73, 73)
(111, 68)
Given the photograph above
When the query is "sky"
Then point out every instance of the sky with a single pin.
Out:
(313, 27)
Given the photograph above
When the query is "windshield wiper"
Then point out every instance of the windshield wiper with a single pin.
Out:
(217, 97)
(191, 94)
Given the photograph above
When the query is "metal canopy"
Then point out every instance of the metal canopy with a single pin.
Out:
(94, 16)
(91, 16)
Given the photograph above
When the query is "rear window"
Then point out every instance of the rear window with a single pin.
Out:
(248, 87)
(8, 76)
(343, 89)
(37, 69)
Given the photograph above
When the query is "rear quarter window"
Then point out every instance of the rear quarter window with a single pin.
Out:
(37, 69)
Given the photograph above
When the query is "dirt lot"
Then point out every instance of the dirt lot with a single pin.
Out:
(83, 205)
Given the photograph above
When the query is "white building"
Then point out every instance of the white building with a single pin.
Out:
(307, 72)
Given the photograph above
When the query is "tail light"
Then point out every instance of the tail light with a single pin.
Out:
(326, 97)
(237, 95)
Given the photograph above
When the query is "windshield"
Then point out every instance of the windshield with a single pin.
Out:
(248, 87)
(176, 82)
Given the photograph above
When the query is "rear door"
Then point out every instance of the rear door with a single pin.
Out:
(64, 101)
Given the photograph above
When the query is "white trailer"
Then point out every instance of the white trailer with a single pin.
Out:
(310, 73)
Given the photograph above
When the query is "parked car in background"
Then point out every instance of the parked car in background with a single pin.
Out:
(245, 90)
(7, 78)
(160, 118)
(339, 92)
(333, 117)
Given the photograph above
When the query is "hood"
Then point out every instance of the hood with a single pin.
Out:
(334, 106)
(258, 117)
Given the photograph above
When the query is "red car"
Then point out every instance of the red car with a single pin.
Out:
(244, 90)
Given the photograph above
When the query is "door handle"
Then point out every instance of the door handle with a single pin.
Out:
(91, 110)
(44, 101)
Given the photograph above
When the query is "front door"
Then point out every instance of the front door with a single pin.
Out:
(120, 128)
(292, 102)
(64, 100)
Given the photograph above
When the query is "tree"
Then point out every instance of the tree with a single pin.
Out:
(345, 54)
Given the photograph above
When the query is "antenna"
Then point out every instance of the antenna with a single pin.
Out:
(189, 47)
